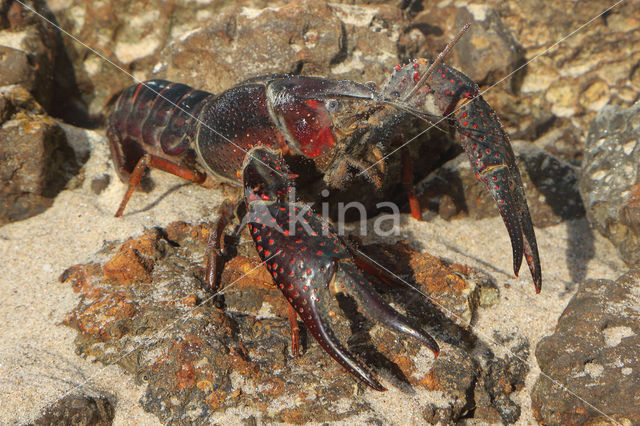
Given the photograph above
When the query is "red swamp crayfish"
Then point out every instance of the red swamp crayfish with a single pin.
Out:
(243, 136)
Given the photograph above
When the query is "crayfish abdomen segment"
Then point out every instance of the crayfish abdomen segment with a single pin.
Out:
(154, 117)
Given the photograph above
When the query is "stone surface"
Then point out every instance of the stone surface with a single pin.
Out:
(594, 354)
(559, 87)
(306, 37)
(610, 179)
(35, 160)
(200, 355)
(216, 44)
(501, 377)
(550, 186)
(78, 410)
(487, 52)
(28, 51)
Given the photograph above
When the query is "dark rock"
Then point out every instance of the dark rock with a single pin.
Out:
(550, 187)
(610, 180)
(78, 410)
(594, 354)
(28, 51)
(35, 160)
(202, 355)
(500, 377)
(486, 53)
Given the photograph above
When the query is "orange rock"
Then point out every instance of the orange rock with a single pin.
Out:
(83, 278)
(186, 377)
(430, 381)
(134, 260)
(215, 399)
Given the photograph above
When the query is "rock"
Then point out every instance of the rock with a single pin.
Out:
(487, 51)
(610, 179)
(203, 355)
(454, 289)
(78, 410)
(28, 52)
(593, 353)
(558, 88)
(550, 187)
(130, 34)
(500, 377)
(213, 47)
(302, 37)
(35, 160)
(15, 68)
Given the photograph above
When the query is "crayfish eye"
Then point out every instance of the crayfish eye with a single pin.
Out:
(332, 105)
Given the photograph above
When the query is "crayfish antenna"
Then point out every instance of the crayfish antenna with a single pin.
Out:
(437, 62)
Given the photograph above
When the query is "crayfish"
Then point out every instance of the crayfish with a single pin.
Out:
(243, 136)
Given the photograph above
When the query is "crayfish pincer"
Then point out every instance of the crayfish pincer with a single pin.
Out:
(309, 262)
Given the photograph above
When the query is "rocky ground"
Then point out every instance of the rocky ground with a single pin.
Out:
(105, 320)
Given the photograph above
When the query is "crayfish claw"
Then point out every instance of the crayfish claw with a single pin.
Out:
(317, 323)
(350, 280)
(309, 262)
(489, 151)
(497, 181)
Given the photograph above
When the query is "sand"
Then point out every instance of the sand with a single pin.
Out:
(38, 363)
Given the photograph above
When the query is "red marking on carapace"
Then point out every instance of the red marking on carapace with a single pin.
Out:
(310, 124)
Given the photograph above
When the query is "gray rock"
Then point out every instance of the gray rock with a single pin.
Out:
(610, 180)
(594, 354)
(302, 37)
(35, 160)
(78, 410)
(28, 52)
(499, 378)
